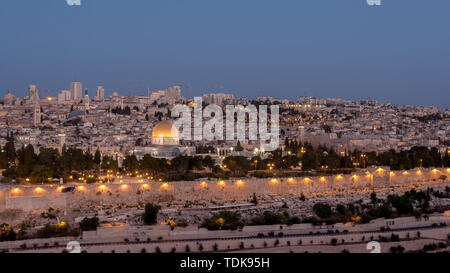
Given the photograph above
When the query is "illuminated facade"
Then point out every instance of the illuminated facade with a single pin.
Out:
(165, 143)
(165, 133)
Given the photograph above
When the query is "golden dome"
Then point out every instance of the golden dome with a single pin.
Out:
(165, 129)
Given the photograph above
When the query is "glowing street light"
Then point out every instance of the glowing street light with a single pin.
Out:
(38, 190)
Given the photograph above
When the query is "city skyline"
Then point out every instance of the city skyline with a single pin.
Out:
(312, 49)
(93, 94)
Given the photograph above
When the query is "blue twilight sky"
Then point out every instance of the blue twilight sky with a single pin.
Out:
(398, 52)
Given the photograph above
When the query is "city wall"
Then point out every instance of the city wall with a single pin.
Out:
(130, 192)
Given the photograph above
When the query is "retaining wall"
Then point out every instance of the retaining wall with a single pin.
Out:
(131, 192)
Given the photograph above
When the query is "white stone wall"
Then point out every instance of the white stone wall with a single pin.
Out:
(130, 192)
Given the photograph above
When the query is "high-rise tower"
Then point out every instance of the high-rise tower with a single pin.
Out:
(100, 95)
(33, 93)
(76, 91)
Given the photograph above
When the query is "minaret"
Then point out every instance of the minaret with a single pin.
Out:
(37, 113)
(301, 135)
(86, 99)
(62, 140)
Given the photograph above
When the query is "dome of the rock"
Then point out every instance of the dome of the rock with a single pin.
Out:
(165, 133)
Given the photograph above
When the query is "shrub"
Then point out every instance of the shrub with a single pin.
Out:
(271, 218)
(340, 209)
(7, 233)
(151, 214)
(224, 220)
(254, 199)
(312, 220)
(395, 237)
(177, 223)
(322, 210)
(277, 242)
(430, 247)
(334, 241)
(57, 230)
(397, 249)
(89, 224)
(302, 197)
